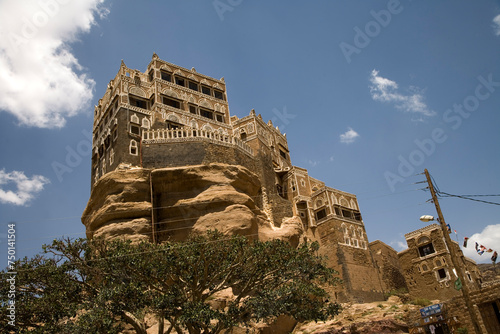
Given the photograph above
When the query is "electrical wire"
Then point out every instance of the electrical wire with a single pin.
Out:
(443, 194)
(440, 193)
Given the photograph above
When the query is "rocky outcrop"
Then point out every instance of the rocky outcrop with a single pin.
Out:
(180, 201)
(391, 316)
(120, 206)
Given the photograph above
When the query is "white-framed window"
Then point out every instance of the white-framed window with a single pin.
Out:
(134, 119)
(145, 123)
(133, 149)
(426, 250)
(442, 274)
(344, 229)
(135, 129)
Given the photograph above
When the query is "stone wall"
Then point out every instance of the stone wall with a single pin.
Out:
(483, 302)
(387, 261)
(358, 271)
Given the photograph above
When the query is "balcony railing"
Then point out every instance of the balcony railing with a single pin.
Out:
(189, 134)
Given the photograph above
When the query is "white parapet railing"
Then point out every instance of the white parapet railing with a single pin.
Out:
(159, 136)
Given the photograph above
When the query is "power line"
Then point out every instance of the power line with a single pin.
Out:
(440, 193)
(443, 194)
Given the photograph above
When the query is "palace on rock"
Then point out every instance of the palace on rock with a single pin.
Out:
(169, 160)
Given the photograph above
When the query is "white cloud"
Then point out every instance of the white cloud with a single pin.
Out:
(349, 136)
(496, 25)
(41, 81)
(386, 90)
(313, 163)
(26, 188)
(398, 245)
(489, 238)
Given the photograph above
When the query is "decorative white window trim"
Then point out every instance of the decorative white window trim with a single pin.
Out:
(133, 148)
(134, 119)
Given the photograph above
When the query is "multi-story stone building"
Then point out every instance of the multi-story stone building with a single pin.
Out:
(168, 159)
(428, 268)
(429, 273)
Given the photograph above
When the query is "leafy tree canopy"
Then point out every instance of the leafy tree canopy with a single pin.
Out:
(94, 286)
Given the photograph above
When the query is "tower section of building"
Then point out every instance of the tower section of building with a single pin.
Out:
(428, 267)
(164, 98)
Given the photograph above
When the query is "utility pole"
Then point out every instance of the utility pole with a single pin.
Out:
(454, 257)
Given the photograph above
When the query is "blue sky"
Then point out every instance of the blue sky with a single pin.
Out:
(369, 93)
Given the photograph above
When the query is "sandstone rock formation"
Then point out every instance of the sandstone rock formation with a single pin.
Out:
(180, 201)
(120, 206)
(391, 316)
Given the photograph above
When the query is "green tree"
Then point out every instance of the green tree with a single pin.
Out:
(85, 286)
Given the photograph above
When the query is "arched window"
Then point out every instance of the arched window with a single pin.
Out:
(207, 127)
(134, 119)
(360, 233)
(423, 240)
(145, 123)
(344, 229)
(334, 199)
